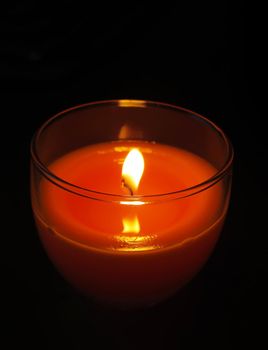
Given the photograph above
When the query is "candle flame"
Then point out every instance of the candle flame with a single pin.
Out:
(132, 170)
(131, 225)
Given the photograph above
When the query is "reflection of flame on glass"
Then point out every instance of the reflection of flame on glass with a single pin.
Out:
(132, 103)
(129, 132)
(131, 239)
(131, 225)
(132, 202)
(132, 170)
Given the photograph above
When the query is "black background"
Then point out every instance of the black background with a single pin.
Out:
(190, 54)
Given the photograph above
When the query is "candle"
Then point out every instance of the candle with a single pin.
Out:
(129, 197)
(129, 249)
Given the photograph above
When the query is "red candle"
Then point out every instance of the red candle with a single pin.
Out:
(136, 249)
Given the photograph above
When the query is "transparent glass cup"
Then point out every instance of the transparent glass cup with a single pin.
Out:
(148, 266)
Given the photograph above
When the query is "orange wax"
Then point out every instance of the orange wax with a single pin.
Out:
(120, 252)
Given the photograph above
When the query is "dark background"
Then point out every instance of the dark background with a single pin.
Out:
(190, 54)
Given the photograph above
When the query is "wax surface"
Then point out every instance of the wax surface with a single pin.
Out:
(102, 224)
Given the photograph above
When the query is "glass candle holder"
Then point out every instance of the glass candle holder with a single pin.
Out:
(115, 241)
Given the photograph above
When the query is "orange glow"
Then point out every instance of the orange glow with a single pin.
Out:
(132, 248)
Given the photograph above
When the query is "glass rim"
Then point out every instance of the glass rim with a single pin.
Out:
(130, 199)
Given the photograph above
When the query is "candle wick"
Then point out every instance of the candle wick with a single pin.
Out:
(124, 184)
